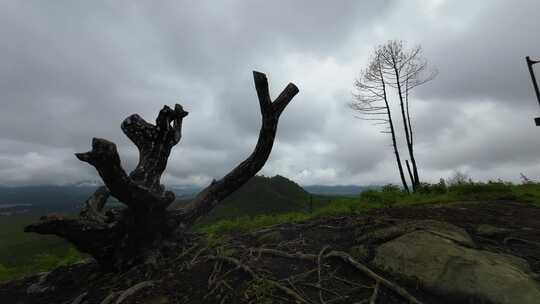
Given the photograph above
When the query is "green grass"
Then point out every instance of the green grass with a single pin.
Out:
(529, 193)
(260, 196)
(26, 253)
(40, 263)
(18, 247)
(388, 197)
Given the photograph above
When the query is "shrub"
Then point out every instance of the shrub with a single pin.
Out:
(483, 191)
(439, 188)
(387, 197)
(527, 181)
(390, 188)
(459, 178)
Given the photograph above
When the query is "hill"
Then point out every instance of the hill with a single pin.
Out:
(23, 205)
(262, 195)
(374, 247)
(345, 259)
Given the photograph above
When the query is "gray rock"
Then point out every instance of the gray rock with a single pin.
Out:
(445, 230)
(432, 259)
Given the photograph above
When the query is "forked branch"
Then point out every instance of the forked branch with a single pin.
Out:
(208, 198)
(121, 238)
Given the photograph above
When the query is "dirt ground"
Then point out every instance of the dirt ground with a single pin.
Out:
(302, 263)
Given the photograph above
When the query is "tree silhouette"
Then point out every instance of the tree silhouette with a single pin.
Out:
(371, 102)
(117, 238)
(393, 67)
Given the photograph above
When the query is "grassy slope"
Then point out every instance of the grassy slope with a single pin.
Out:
(386, 198)
(17, 247)
(24, 253)
(27, 246)
(264, 195)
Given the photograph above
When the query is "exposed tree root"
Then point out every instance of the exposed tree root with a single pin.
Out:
(319, 283)
(394, 287)
(302, 279)
(373, 298)
(298, 298)
(283, 254)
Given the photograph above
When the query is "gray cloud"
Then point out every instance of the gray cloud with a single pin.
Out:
(72, 71)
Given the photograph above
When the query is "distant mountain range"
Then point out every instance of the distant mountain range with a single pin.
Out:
(43, 199)
(348, 190)
(259, 195)
(337, 190)
(47, 198)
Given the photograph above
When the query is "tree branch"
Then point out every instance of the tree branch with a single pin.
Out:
(104, 157)
(93, 237)
(208, 198)
(93, 206)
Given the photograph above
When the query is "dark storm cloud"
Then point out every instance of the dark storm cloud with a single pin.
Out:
(479, 49)
(70, 71)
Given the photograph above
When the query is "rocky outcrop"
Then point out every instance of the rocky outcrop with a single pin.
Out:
(439, 257)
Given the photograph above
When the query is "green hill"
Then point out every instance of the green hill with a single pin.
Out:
(262, 195)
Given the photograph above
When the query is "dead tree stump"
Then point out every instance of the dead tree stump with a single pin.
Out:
(118, 239)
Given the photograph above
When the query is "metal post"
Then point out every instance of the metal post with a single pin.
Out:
(535, 84)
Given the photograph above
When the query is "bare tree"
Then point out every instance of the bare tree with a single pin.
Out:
(371, 102)
(120, 238)
(405, 70)
(392, 68)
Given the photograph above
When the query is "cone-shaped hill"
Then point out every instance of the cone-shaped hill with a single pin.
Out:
(262, 195)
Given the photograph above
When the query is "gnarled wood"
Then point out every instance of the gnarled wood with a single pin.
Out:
(93, 207)
(208, 198)
(154, 144)
(104, 157)
(93, 237)
(120, 238)
(142, 188)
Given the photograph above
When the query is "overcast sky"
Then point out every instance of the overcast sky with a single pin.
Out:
(73, 70)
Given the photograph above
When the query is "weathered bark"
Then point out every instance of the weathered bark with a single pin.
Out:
(141, 190)
(409, 170)
(372, 102)
(406, 125)
(120, 238)
(93, 237)
(393, 132)
(208, 198)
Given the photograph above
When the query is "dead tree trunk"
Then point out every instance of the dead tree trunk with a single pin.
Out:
(371, 102)
(409, 170)
(406, 125)
(121, 238)
(393, 133)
